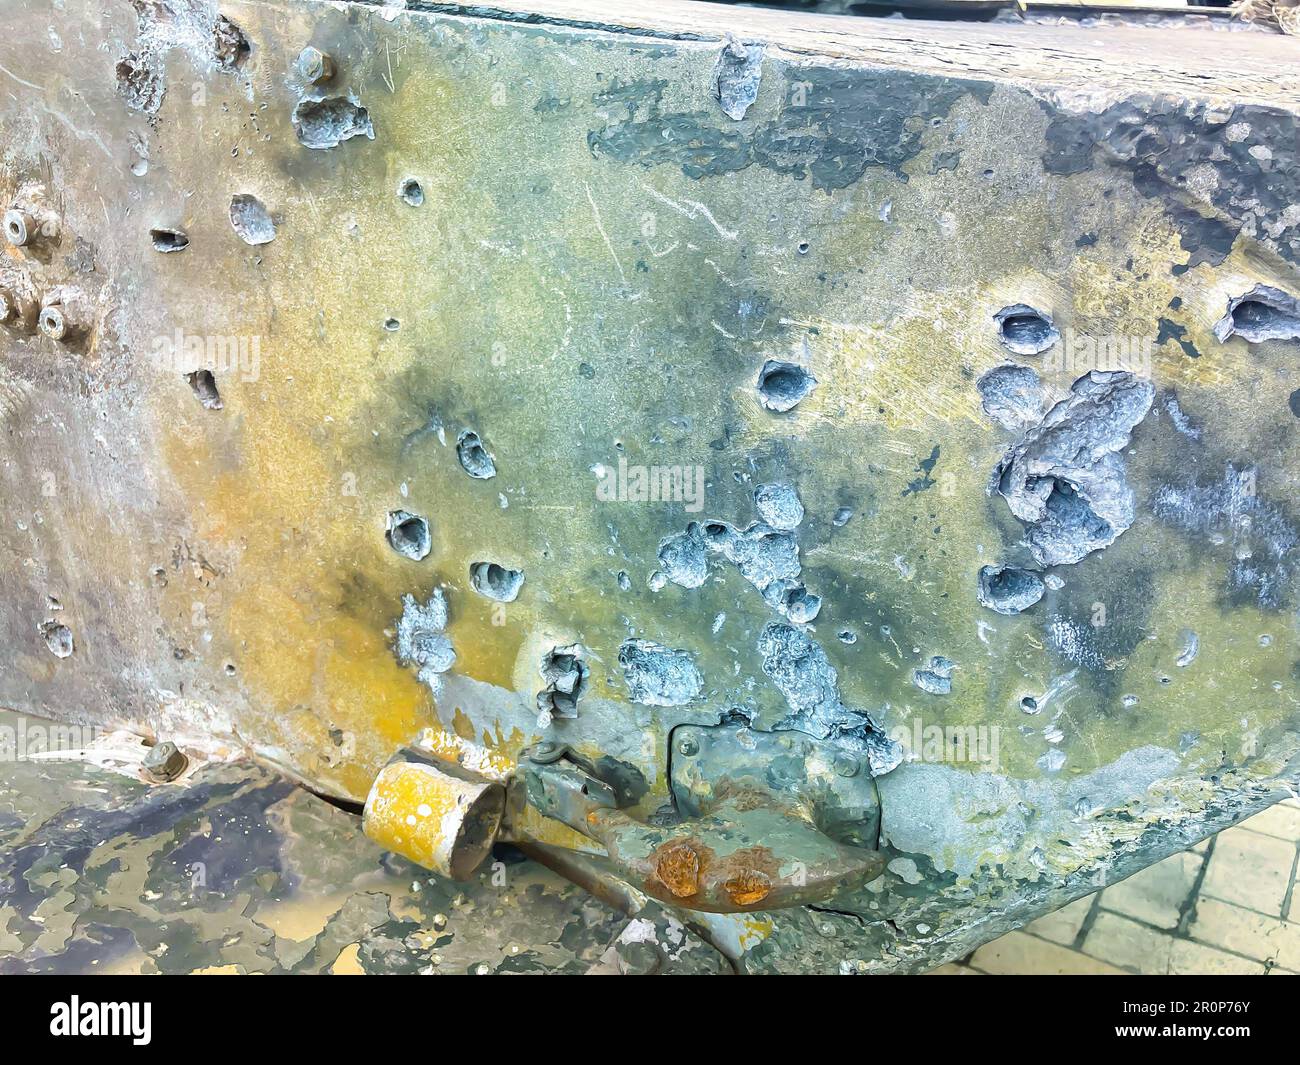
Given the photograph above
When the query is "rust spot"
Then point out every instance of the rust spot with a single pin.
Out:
(747, 887)
(677, 866)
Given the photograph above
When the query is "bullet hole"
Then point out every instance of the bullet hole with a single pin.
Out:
(58, 638)
(159, 576)
(936, 679)
(586, 371)
(496, 582)
(1294, 402)
(1009, 590)
(803, 247)
(251, 220)
(1029, 704)
(1263, 313)
(326, 123)
(392, 325)
(565, 675)
(781, 385)
(169, 240)
(778, 505)
(658, 676)
(229, 669)
(411, 192)
(139, 84)
(1065, 478)
(1025, 330)
(842, 517)
(1012, 396)
(847, 636)
(793, 600)
(204, 386)
(683, 558)
(624, 581)
(230, 45)
(408, 534)
(422, 640)
(1191, 648)
(474, 457)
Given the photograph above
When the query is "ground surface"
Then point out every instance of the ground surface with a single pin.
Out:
(1227, 906)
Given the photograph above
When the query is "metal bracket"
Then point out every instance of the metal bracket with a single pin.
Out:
(818, 780)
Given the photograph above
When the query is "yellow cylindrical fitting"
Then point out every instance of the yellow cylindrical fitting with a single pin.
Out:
(437, 818)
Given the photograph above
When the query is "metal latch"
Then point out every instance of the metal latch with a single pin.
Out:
(767, 819)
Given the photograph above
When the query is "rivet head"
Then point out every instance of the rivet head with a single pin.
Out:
(53, 322)
(19, 227)
(165, 761)
(846, 766)
(315, 66)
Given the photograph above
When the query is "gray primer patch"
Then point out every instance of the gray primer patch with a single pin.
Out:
(799, 668)
(1024, 330)
(1008, 590)
(994, 821)
(683, 557)
(737, 75)
(565, 676)
(327, 123)
(1012, 396)
(251, 220)
(1065, 478)
(1263, 313)
(1171, 144)
(1263, 540)
(778, 505)
(781, 385)
(58, 638)
(846, 121)
(422, 641)
(937, 677)
(408, 534)
(658, 676)
(495, 581)
(474, 457)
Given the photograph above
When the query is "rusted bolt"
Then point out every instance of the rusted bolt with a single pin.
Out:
(164, 762)
(846, 766)
(688, 746)
(20, 227)
(315, 66)
(53, 322)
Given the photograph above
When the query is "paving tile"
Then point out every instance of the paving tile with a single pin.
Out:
(1157, 893)
(1250, 870)
(1062, 926)
(1246, 932)
(1120, 941)
(1282, 821)
(1195, 959)
(1018, 953)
